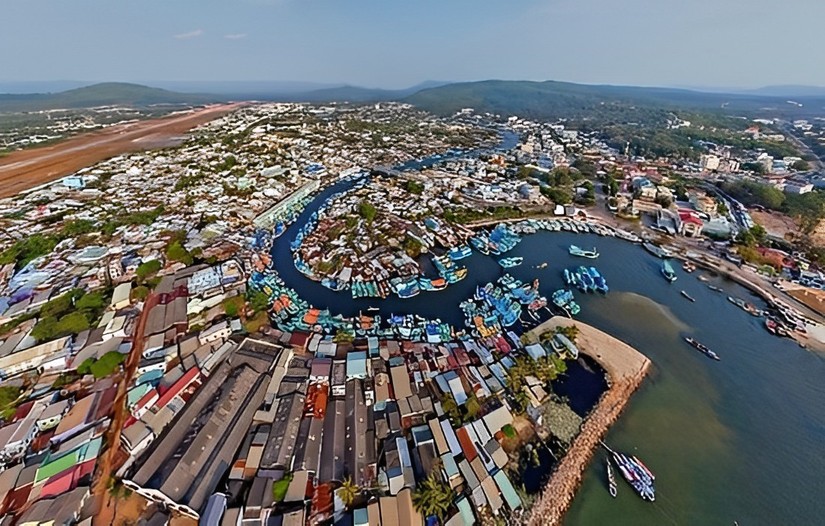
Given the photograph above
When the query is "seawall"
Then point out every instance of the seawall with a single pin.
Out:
(626, 368)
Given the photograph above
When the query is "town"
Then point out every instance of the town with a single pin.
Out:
(157, 366)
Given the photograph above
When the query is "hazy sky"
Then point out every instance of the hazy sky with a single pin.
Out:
(397, 43)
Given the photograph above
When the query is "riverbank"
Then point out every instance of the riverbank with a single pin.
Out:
(626, 369)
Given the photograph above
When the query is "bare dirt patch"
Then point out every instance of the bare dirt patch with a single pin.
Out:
(776, 224)
(26, 169)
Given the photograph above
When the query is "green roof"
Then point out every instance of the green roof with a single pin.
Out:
(80, 454)
(58, 465)
(466, 511)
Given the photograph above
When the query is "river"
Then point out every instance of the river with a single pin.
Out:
(739, 439)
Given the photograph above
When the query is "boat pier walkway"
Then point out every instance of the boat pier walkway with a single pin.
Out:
(626, 368)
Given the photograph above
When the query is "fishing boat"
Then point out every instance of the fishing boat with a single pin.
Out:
(576, 251)
(667, 271)
(611, 479)
(458, 253)
(702, 348)
(586, 283)
(688, 296)
(639, 476)
(599, 282)
(657, 251)
(511, 262)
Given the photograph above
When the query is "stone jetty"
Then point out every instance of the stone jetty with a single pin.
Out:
(626, 369)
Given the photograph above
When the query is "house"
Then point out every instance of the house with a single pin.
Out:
(691, 225)
(219, 331)
(51, 416)
(507, 490)
(400, 382)
(356, 365)
(497, 419)
(120, 296)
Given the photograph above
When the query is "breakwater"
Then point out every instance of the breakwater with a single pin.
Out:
(626, 369)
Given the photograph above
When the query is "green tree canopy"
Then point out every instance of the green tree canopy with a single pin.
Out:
(176, 252)
(433, 497)
(367, 210)
(147, 268)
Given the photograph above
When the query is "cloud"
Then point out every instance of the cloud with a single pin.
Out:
(191, 34)
(235, 36)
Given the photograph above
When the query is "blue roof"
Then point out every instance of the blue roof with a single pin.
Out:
(450, 467)
(360, 517)
(357, 364)
(507, 490)
(466, 511)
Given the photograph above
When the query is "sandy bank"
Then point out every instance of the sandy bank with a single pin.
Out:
(626, 368)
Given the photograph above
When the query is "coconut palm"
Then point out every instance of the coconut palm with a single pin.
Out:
(433, 497)
(348, 491)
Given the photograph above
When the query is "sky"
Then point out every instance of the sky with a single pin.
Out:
(397, 44)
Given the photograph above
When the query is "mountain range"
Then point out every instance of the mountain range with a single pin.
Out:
(547, 99)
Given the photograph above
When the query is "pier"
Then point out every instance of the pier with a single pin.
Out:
(626, 368)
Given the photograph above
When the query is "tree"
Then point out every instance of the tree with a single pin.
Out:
(412, 246)
(91, 302)
(45, 329)
(147, 268)
(414, 187)
(176, 252)
(72, 323)
(801, 166)
(258, 301)
(586, 167)
(348, 491)
(561, 176)
(106, 365)
(472, 407)
(367, 211)
(140, 293)
(560, 196)
(433, 497)
(451, 409)
(27, 249)
(722, 208)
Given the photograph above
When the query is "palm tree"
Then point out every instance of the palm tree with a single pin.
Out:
(433, 497)
(348, 491)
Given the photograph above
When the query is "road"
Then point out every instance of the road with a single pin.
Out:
(106, 464)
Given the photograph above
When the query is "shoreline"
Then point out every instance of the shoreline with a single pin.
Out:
(626, 369)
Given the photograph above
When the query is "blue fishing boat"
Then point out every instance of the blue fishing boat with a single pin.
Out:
(458, 253)
(511, 262)
(598, 280)
(586, 280)
(667, 271)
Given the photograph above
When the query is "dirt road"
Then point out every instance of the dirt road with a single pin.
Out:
(26, 169)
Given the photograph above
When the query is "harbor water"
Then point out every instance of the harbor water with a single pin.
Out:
(735, 440)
